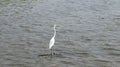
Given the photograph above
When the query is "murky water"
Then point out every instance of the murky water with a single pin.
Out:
(88, 33)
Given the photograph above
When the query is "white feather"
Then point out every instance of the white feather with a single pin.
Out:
(52, 41)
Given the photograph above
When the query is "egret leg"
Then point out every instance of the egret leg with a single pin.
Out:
(51, 52)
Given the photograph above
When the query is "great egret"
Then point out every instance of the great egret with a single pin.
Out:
(52, 41)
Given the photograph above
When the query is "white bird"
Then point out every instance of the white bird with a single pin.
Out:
(52, 41)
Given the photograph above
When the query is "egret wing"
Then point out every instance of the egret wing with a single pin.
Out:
(52, 41)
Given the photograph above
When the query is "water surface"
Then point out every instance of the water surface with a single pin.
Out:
(88, 33)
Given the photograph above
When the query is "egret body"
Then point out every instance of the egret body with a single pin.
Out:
(52, 41)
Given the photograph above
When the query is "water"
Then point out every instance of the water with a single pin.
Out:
(88, 33)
